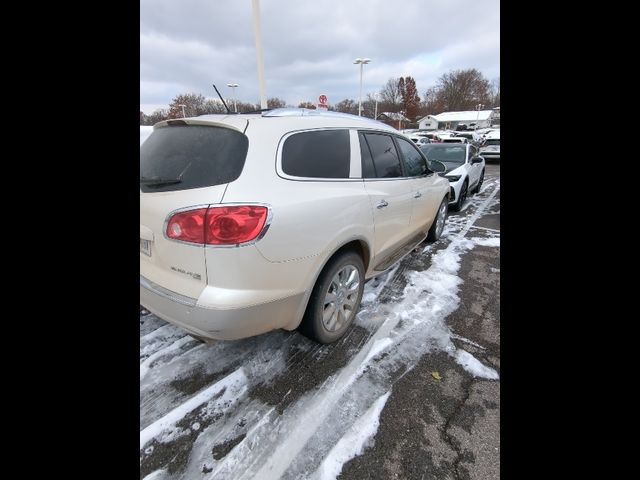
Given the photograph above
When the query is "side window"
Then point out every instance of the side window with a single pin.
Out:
(473, 152)
(317, 154)
(368, 169)
(385, 156)
(415, 164)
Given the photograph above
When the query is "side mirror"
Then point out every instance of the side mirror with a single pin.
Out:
(437, 166)
(477, 160)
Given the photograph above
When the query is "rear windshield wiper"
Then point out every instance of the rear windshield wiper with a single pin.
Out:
(158, 182)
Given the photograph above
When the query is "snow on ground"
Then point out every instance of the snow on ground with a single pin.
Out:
(354, 442)
(301, 439)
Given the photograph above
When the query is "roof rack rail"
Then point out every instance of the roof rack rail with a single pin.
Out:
(307, 112)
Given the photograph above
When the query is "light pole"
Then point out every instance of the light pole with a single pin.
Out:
(375, 116)
(255, 8)
(233, 95)
(361, 62)
(182, 105)
(479, 106)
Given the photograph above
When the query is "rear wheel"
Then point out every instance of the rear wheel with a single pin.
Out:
(335, 298)
(438, 224)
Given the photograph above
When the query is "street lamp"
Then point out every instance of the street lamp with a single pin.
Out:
(182, 105)
(361, 62)
(478, 107)
(375, 116)
(233, 95)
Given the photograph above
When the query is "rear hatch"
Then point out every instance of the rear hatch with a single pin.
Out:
(183, 164)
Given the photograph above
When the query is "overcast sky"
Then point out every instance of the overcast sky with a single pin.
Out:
(309, 46)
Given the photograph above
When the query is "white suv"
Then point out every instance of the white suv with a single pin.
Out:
(250, 223)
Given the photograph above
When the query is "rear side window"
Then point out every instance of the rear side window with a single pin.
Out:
(385, 156)
(317, 154)
(195, 156)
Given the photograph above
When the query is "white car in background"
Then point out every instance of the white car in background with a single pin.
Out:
(461, 164)
(491, 146)
(419, 139)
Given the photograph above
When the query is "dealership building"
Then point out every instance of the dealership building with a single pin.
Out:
(450, 120)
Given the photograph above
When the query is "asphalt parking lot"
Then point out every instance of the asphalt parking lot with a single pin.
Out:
(411, 392)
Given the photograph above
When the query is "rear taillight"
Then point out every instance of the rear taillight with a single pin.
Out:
(230, 225)
(188, 226)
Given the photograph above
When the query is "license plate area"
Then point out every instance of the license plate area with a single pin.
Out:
(145, 247)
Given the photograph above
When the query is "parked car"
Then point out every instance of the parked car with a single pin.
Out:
(462, 165)
(471, 137)
(490, 148)
(250, 223)
(451, 138)
(419, 139)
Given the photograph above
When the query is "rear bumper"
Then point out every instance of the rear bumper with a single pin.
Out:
(213, 323)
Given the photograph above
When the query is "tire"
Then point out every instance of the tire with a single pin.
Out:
(462, 197)
(479, 185)
(336, 281)
(438, 224)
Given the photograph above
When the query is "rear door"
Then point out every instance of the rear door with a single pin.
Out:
(390, 194)
(181, 167)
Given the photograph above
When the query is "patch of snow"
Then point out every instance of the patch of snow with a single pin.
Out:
(466, 340)
(358, 438)
(378, 346)
(157, 475)
(234, 382)
(472, 365)
(487, 242)
(144, 366)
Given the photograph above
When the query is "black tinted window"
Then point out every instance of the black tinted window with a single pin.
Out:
(415, 165)
(183, 157)
(385, 157)
(318, 154)
(368, 170)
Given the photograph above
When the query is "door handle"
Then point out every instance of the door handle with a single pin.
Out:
(417, 195)
(382, 204)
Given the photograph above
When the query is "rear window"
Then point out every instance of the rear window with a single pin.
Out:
(184, 157)
(494, 141)
(317, 154)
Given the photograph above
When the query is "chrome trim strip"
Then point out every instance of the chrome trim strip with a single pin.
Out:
(168, 294)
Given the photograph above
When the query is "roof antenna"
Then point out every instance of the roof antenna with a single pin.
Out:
(222, 99)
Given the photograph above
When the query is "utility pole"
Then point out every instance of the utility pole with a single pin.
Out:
(258, 34)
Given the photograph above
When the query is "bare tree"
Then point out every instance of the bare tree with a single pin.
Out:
(346, 106)
(495, 92)
(212, 107)
(391, 95)
(276, 102)
(193, 105)
(310, 105)
(463, 90)
(157, 116)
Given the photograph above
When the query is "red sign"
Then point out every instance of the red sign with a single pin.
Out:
(322, 101)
